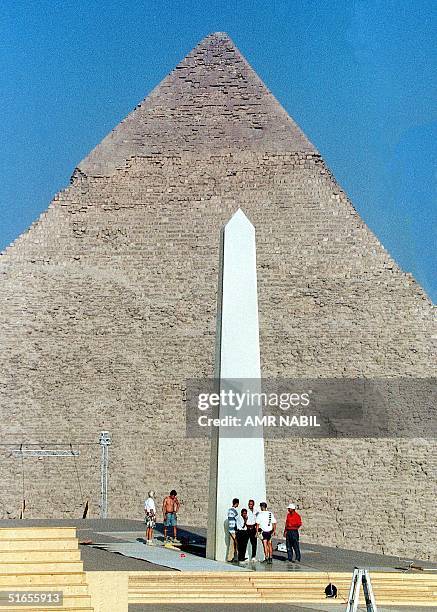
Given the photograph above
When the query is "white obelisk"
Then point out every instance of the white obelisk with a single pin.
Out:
(237, 455)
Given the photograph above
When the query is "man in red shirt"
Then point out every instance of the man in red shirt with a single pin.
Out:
(291, 533)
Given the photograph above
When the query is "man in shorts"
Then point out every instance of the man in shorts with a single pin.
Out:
(266, 524)
(170, 508)
(150, 517)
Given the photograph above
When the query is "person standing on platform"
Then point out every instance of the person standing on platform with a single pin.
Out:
(266, 524)
(170, 508)
(232, 530)
(242, 536)
(251, 527)
(293, 522)
(150, 517)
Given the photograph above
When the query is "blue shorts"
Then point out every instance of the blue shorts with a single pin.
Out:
(170, 519)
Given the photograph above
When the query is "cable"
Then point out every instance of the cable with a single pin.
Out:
(23, 507)
(77, 473)
(50, 443)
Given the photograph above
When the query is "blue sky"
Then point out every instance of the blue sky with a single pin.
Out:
(358, 77)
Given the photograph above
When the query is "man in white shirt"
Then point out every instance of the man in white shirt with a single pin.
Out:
(150, 517)
(251, 526)
(266, 524)
(232, 530)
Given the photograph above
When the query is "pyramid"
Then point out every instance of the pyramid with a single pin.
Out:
(108, 306)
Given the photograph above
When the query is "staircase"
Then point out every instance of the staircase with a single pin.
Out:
(390, 588)
(43, 559)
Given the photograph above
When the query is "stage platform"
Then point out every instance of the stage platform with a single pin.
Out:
(100, 559)
(126, 539)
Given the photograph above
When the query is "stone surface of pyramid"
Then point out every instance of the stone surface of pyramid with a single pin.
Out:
(211, 101)
(108, 306)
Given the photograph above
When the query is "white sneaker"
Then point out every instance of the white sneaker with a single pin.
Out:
(253, 559)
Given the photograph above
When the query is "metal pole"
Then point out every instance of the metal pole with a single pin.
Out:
(368, 593)
(352, 602)
(104, 441)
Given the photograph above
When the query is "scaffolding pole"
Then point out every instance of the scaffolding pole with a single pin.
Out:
(104, 441)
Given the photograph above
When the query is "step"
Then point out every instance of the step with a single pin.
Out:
(319, 592)
(67, 589)
(184, 600)
(190, 580)
(404, 587)
(36, 533)
(283, 586)
(342, 601)
(202, 598)
(179, 585)
(37, 568)
(300, 585)
(295, 579)
(41, 578)
(277, 576)
(422, 604)
(42, 544)
(183, 597)
(187, 574)
(182, 577)
(285, 575)
(317, 598)
(187, 580)
(38, 556)
(50, 609)
(194, 589)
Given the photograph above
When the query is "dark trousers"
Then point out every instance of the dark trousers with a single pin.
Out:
(242, 539)
(293, 544)
(253, 539)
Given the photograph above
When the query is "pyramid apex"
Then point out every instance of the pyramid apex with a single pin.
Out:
(220, 35)
(212, 101)
(223, 36)
(217, 40)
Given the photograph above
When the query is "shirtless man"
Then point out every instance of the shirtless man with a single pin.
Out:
(170, 506)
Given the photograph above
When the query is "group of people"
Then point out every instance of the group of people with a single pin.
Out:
(244, 527)
(249, 525)
(170, 508)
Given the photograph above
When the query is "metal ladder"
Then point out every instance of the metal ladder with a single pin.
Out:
(361, 576)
